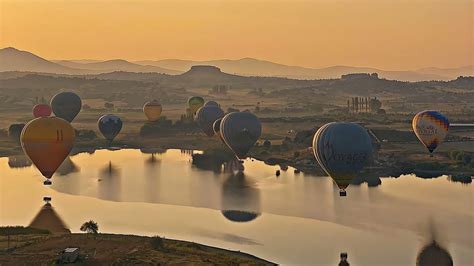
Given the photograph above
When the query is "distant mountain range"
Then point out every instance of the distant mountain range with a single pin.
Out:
(12, 59)
(116, 65)
(255, 67)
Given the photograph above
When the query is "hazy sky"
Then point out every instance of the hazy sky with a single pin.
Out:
(390, 34)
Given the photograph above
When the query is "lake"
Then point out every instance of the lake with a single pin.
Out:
(294, 218)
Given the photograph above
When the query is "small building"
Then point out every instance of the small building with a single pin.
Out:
(68, 255)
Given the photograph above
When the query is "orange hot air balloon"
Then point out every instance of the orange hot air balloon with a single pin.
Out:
(42, 110)
(152, 110)
(47, 141)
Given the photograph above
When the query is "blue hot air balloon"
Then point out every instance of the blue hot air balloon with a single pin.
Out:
(240, 131)
(342, 150)
(206, 116)
(110, 126)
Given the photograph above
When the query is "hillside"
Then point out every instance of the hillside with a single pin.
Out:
(255, 67)
(12, 59)
(117, 65)
(109, 249)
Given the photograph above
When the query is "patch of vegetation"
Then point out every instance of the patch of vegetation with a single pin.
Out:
(21, 230)
(157, 242)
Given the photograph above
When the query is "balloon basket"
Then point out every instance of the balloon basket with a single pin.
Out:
(342, 193)
(47, 183)
(47, 199)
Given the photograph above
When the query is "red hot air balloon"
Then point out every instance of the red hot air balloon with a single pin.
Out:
(42, 110)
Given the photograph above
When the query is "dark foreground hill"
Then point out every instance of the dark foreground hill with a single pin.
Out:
(108, 249)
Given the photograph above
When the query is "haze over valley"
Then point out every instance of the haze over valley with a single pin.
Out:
(12, 59)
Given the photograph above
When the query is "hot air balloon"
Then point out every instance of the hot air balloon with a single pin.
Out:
(216, 126)
(66, 105)
(211, 103)
(342, 150)
(41, 110)
(14, 132)
(109, 126)
(430, 128)
(194, 103)
(152, 110)
(47, 141)
(206, 116)
(240, 131)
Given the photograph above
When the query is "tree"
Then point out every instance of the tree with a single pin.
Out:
(109, 105)
(375, 105)
(90, 227)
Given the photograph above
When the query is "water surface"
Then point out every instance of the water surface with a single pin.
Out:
(290, 219)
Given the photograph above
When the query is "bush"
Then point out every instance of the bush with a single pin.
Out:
(284, 147)
(157, 242)
(20, 230)
(267, 144)
(85, 134)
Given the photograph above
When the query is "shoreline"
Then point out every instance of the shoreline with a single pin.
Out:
(304, 165)
(106, 248)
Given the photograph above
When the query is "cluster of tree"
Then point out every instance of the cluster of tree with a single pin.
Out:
(257, 92)
(41, 100)
(219, 89)
(365, 105)
(460, 156)
(109, 105)
(164, 126)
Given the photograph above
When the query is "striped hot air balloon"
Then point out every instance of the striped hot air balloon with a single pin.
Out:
(430, 128)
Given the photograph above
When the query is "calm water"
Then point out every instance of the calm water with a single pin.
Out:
(290, 219)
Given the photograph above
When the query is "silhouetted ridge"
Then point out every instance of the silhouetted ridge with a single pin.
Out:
(203, 70)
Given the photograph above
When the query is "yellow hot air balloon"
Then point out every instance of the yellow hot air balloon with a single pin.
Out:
(152, 110)
(47, 141)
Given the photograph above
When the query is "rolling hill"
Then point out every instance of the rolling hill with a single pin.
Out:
(12, 59)
(255, 67)
(116, 65)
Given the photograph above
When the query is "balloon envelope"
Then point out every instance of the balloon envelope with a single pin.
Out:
(14, 131)
(194, 103)
(109, 126)
(211, 103)
(430, 128)
(152, 110)
(216, 126)
(240, 131)
(66, 105)
(206, 116)
(47, 141)
(41, 110)
(342, 150)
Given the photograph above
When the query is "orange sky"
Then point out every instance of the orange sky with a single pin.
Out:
(390, 34)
